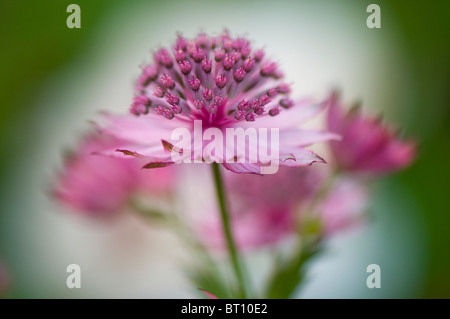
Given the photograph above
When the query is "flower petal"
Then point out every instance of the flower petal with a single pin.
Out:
(144, 130)
(299, 157)
(300, 137)
(241, 168)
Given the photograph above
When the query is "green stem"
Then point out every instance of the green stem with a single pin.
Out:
(206, 272)
(171, 220)
(233, 252)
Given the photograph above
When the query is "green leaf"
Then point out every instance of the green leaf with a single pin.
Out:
(211, 280)
(290, 272)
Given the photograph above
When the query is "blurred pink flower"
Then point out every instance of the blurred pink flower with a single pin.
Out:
(366, 145)
(266, 209)
(100, 186)
(222, 83)
(343, 206)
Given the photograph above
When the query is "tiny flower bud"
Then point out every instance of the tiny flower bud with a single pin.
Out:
(248, 64)
(259, 110)
(198, 54)
(167, 81)
(194, 83)
(163, 58)
(161, 110)
(264, 100)
(228, 62)
(239, 74)
(158, 91)
(286, 103)
(212, 108)
(268, 68)
(172, 99)
(221, 81)
(185, 67)
(199, 104)
(176, 109)
(179, 55)
(272, 92)
(140, 105)
(259, 55)
(283, 88)
(250, 117)
(219, 54)
(239, 115)
(274, 111)
(206, 65)
(218, 100)
(207, 94)
(243, 105)
(181, 43)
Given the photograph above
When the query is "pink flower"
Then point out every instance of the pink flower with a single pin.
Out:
(266, 209)
(221, 83)
(99, 185)
(344, 205)
(366, 145)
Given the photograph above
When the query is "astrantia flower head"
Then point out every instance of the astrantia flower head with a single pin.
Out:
(367, 145)
(218, 82)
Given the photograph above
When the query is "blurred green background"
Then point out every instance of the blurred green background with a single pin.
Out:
(36, 44)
